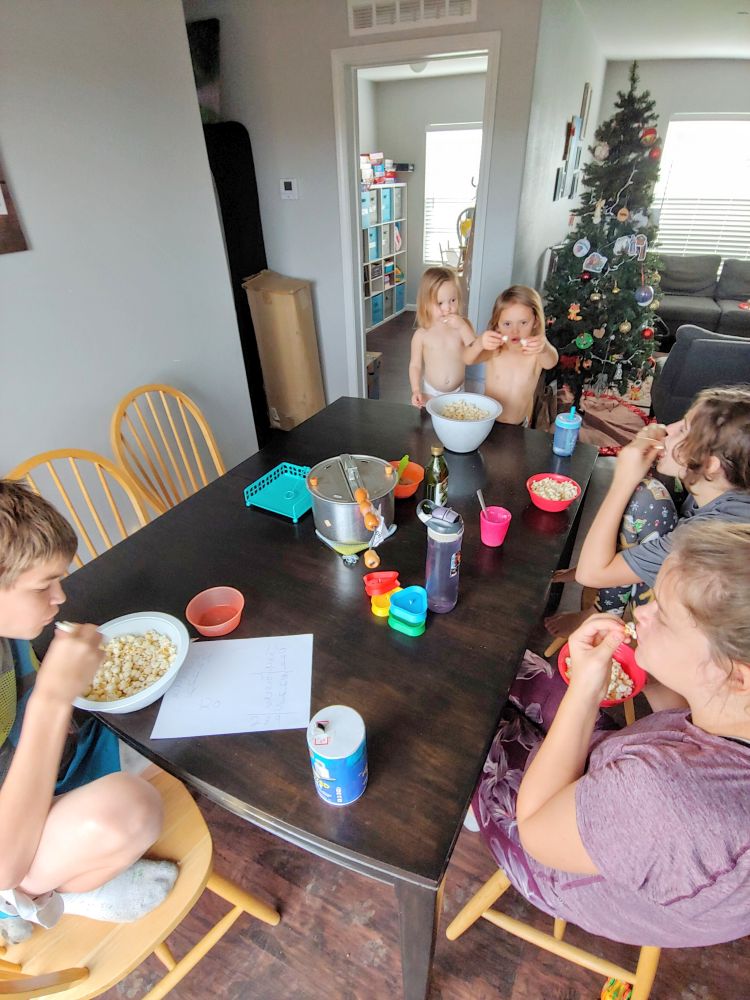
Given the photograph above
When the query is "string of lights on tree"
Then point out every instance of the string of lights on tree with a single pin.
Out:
(603, 287)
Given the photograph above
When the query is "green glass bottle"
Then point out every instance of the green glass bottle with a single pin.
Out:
(436, 478)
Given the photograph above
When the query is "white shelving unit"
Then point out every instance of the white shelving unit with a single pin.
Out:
(383, 209)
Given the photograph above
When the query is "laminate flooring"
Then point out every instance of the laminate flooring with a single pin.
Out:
(339, 939)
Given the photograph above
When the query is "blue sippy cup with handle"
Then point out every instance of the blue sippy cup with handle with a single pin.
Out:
(567, 426)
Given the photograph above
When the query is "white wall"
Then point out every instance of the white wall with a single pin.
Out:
(125, 281)
(684, 86)
(567, 58)
(368, 129)
(277, 80)
(405, 108)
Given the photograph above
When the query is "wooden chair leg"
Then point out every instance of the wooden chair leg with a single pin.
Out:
(238, 897)
(479, 902)
(553, 647)
(165, 956)
(559, 929)
(645, 973)
(629, 709)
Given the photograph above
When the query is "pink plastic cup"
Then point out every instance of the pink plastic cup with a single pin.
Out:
(216, 611)
(493, 525)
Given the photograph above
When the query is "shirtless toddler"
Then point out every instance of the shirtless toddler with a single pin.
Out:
(437, 347)
(515, 350)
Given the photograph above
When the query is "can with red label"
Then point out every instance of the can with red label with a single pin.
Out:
(338, 754)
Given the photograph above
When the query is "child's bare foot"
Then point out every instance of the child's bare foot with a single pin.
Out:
(564, 575)
(562, 624)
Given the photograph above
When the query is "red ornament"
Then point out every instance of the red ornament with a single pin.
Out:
(647, 333)
(568, 361)
(585, 276)
(647, 136)
(654, 153)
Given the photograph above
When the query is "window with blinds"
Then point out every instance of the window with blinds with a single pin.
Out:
(452, 154)
(703, 195)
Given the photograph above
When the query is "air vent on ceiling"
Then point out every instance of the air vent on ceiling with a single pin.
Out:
(371, 16)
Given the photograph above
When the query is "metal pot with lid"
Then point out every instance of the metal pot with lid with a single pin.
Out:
(332, 484)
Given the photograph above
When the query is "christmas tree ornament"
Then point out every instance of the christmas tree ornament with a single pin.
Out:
(654, 153)
(573, 311)
(584, 340)
(601, 151)
(647, 136)
(623, 215)
(637, 246)
(587, 362)
(581, 248)
(615, 288)
(655, 304)
(618, 373)
(585, 276)
(622, 245)
(595, 296)
(595, 262)
(644, 295)
(551, 321)
(638, 220)
(647, 332)
(625, 327)
(597, 217)
(599, 332)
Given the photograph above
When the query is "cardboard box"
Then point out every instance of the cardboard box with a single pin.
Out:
(282, 314)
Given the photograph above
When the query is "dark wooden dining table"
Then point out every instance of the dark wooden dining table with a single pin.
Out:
(431, 704)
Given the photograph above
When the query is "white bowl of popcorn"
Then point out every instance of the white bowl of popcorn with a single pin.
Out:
(462, 420)
(143, 654)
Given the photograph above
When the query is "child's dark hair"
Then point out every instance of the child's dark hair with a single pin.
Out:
(718, 423)
(427, 293)
(524, 296)
(31, 532)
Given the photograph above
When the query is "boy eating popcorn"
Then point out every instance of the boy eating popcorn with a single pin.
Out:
(72, 825)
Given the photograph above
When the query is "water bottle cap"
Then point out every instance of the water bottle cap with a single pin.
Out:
(445, 521)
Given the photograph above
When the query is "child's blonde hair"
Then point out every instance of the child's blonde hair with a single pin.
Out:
(524, 296)
(427, 294)
(718, 423)
(31, 532)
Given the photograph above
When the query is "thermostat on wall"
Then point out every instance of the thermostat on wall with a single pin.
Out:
(289, 188)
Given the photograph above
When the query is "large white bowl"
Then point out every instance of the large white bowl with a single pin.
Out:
(463, 435)
(139, 624)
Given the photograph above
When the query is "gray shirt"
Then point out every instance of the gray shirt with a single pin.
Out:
(646, 559)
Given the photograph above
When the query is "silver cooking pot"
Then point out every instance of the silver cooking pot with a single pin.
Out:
(332, 484)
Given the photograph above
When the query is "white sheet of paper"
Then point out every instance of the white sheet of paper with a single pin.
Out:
(239, 686)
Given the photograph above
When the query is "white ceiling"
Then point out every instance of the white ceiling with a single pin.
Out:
(670, 29)
(434, 66)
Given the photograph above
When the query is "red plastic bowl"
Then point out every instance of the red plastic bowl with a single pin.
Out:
(216, 611)
(625, 656)
(551, 505)
(412, 476)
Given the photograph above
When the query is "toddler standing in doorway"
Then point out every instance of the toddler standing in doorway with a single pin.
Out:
(516, 351)
(437, 347)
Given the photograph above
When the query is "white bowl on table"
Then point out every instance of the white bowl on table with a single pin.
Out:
(463, 435)
(139, 624)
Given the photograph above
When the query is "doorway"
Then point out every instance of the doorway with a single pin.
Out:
(363, 126)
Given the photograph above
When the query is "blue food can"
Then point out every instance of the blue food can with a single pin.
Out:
(338, 754)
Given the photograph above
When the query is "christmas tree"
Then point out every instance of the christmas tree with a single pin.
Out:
(604, 286)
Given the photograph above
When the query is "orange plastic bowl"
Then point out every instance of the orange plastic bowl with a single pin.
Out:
(551, 505)
(412, 476)
(625, 656)
(216, 611)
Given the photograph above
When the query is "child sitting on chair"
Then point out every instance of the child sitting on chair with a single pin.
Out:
(72, 825)
(437, 347)
(516, 351)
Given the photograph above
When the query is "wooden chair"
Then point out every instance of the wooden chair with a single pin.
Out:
(81, 958)
(92, 490)
(162, 439)
(480, 906)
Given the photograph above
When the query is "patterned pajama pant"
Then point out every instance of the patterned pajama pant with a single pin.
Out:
(532, 703)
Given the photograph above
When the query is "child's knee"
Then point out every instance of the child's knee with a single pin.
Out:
(129, 812)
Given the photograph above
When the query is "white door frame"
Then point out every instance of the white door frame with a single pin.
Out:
(344, 65)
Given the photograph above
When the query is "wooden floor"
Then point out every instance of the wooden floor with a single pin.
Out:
(338, 937)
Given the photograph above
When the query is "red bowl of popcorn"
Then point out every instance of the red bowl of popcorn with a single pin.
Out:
(628, 679)
(553, 492)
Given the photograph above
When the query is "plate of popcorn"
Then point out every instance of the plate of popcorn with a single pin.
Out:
(143, 653)
(626, 680)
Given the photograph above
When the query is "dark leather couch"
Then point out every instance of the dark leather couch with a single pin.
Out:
(694, 292)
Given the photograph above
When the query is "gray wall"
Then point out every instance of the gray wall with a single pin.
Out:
(125, 281)
(368, 129)
(685, 86)
(404, 110)
(277, 80)
(568, 57)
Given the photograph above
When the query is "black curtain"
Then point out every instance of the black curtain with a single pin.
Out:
(230, 156)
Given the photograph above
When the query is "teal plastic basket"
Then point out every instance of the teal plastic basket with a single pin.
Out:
(283, 491)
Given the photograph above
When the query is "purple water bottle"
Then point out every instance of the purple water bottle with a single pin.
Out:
(445, 531)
